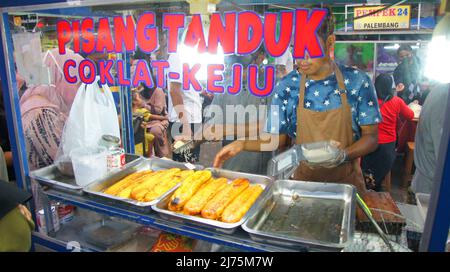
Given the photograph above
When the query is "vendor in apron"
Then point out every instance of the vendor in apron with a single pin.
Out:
(321, 101)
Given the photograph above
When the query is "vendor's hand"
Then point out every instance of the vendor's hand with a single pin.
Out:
(144, 125)
(228, 152)
(332, 163)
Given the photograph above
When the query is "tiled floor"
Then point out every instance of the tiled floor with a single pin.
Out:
(398, 192)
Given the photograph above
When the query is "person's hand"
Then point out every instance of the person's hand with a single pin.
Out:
(207, 95)
(144, 125)
(400, 87)
(25, 212)
(228, 152)
(341, 157)
(332, 163)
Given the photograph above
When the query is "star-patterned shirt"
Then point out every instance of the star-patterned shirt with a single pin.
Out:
(323, 95)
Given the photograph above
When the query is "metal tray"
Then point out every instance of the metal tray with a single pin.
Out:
(51, 177)
(305, 214)
(209, 224)
(95, 189)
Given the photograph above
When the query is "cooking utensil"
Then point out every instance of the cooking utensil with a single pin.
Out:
(368, 213)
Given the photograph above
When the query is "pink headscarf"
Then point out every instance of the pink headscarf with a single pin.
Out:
(20, 81)
(60, 94)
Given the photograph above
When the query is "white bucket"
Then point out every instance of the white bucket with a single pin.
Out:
(89, 164)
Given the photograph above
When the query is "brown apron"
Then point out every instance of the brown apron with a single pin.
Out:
(336, 124)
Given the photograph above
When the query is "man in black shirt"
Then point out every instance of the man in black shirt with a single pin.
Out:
(407, 75)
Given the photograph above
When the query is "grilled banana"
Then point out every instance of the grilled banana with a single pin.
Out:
(241, 204)
(167, 184)
(127, 181)
(142, 189)
(187, 189)
(206, 193)
(214, 208)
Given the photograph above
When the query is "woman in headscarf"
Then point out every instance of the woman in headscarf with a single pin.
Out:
(158, 123)
(45, 108)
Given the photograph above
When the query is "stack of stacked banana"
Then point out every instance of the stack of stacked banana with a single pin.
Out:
(215, 199)
(148, 185)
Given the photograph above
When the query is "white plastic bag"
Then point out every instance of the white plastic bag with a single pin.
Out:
(93, 114)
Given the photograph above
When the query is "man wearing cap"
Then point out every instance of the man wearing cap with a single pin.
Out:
(15, 219)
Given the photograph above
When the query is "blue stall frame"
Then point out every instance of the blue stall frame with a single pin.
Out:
(436, 229)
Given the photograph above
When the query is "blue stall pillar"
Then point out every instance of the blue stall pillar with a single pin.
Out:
(12, 108)
(437, 223)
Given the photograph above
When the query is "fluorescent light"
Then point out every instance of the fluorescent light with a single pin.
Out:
(438, 54)
(438, 59)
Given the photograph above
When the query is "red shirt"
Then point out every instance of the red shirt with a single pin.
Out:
(390, 112)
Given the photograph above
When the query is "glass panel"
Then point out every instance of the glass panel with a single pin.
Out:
(359, 55)
(150, 122)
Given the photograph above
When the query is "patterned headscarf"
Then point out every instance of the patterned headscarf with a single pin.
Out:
(59, 94)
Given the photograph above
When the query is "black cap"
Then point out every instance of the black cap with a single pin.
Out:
(10, 197)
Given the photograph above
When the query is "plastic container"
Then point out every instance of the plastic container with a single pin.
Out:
(283, 165)
(89, 164)
(320, 151)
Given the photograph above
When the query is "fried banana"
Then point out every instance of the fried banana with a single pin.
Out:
(241, 204)
(126, 193)
(206, 193)
(142, 189)
(214, 208)
(127, 181)
(186, 173)
(167, 184)
(187, 189)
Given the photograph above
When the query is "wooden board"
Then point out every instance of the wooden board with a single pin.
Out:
(386, 220)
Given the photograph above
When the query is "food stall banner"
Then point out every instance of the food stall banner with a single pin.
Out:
(240, 33)
(392, 18)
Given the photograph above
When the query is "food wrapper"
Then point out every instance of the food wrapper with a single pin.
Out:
(168, 242)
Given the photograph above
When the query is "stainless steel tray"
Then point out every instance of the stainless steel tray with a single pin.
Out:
(305, 214)
(97, 188)
(51, 177)
(228, 228)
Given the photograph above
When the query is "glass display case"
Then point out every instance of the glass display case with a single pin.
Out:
(30, 70)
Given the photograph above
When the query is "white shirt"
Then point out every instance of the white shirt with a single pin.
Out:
(191, 98)
(287, 60)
